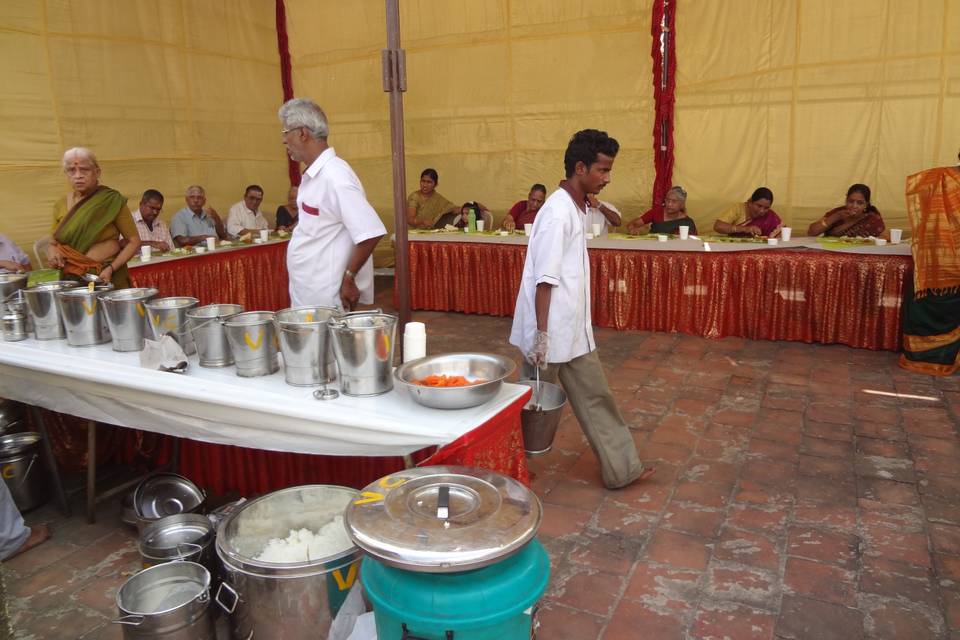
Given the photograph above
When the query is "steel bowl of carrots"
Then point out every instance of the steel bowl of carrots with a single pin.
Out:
(454, 380)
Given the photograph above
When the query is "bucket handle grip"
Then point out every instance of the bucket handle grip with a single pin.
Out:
(23, 477)
(336, 322)
(448, 634)
(236, 597)
(188, 545)
(133, 621)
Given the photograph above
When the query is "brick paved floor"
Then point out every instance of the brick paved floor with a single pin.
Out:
(802, 491)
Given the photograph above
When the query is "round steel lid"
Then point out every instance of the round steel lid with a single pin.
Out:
(16, 443)
(443, 519)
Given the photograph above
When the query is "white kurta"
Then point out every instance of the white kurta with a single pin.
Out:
(334, 217)
(557, 255)
(595, 216)
(240, 218)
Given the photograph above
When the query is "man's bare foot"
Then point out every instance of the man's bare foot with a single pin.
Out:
(38, 534)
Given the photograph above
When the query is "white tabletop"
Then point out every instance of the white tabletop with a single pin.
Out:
(215, 405)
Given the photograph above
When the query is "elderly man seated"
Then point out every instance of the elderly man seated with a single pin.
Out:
(12, 259)
(153, 231)
(195, 223)
(245, 216)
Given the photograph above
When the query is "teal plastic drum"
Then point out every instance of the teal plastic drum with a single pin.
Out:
(496, 602)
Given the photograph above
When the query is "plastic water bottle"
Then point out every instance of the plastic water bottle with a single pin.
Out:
(472, 219)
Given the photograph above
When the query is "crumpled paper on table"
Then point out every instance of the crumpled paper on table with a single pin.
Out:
(164, 354)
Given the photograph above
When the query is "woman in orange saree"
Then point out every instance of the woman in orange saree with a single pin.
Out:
(931, 318)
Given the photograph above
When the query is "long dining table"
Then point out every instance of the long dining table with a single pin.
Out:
(807, 290)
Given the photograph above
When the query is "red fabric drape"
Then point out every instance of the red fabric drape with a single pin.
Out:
(286, 75)
(664, 83)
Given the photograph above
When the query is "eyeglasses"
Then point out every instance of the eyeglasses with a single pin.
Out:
(286, 131)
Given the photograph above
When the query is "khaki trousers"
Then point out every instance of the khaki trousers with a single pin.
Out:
(586, 386)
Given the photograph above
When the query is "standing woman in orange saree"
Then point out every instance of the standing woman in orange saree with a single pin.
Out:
(931, 318)
(88, 223)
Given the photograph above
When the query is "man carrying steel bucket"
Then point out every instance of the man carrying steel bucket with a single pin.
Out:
(329, 256)
(552, 320)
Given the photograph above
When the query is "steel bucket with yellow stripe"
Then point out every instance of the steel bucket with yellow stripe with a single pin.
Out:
(83, 316)
(253, 342)
(168, 316)
(127, 316)
(305, 345)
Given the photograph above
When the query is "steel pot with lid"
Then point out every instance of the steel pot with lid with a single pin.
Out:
(169, 601)
(294, 592)
(186, 536)
(451, 552)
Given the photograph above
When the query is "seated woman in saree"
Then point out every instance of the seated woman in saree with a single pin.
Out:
(88, 224)
(426, 208)
(931, 315)
(673, 216)
(751, 218)
(856, 218)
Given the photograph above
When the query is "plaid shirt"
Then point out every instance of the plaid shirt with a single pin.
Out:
(159, 233)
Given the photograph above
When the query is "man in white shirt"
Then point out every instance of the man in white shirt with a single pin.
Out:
(602, 213)
(329, 257)
(245, 216)
(153, 231)
(552, 321)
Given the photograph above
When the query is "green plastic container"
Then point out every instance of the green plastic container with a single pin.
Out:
(497, 602)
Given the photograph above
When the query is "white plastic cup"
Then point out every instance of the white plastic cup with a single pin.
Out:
(684, 232)
(415, 329)
(414, 341)
(145, 252)
(597, 228)
(528, 228)
(211, 243)
(773, 241)
(480, 225)
(896, 235)
(504, 232)
(662, 237)
(199, 248)
(879, 242)
(466, 229)
(786, 233)
(264, 235)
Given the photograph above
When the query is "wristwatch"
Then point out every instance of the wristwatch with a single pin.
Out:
(350, 274)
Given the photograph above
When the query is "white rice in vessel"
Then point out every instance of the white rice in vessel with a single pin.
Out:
(303, 545)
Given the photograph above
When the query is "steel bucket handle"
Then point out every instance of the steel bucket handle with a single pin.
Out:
(129, 619)
(233, 592)
(336, 322)
(183, 555)
(26, 473)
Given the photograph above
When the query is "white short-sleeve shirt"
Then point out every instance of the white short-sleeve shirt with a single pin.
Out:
(240, 217)
(334, 217)
(557, 255)
(595, 216)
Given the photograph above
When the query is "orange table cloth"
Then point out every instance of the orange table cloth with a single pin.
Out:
(777, 294)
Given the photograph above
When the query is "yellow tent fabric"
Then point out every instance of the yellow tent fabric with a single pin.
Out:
(495, 89)
(810, 96)
(167, 94)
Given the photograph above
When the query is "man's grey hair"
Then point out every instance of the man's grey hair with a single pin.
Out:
(195, 187)
(304, 112)
(79, 152)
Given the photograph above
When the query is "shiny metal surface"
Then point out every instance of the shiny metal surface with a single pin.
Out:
(363, 343)
(42, 303)
(488, 516)
(166, 494)
(11, 412)
(206, 327)
(84, 319)
(169, 316)
(24, 470)
(473, 366)
(14, 324)
(186, 536)
(540, 423)
(15, 443)
(305, 344)
(168, 601)
(11, 283)
(126, 315)
(253, 342)
(289, 600)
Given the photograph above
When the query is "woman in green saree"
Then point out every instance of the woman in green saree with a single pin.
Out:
(426, 208)
(88, 223)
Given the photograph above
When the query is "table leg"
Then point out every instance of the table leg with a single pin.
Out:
(175, 455)
(91, 472)
(52, 467)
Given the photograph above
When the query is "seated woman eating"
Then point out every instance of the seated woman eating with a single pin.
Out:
(480, 212)
(856, 218)
(88, 224)
(751, 218)
(674, 216)
(426, 208)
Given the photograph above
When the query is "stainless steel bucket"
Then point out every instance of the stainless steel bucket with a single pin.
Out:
(540, 424)
(206, 327)
(253, 342)
(126, 315)
(23, 469)
(305, 345)
(10, 283)
(292, 601)
(187, 536)
(169, 316)
(169, 601)
(83, 316)
(363, 343)
(42, 303)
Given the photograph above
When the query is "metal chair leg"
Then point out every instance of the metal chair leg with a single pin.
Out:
(52, 467)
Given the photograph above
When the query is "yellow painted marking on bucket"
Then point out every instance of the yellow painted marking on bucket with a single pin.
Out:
(8, 471)
(309, 317)
(388, 483)
(250, 342)
(89, 310)
(345, 583)
(140, 309)
(368, 497)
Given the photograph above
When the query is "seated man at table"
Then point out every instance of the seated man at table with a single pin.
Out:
(153, 231)
(195, 223)
(12, 258)
(602, 213)
(245, 216)
(525, 211)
